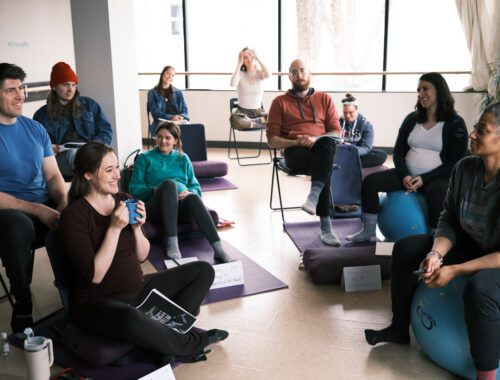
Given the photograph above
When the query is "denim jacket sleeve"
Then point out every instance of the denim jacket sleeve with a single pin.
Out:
(157, 106)
(52, 127)
(365, 143)
(180, 104)
(92, 124)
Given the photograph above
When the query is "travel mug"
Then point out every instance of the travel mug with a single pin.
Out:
(132, 210)
(39, 354)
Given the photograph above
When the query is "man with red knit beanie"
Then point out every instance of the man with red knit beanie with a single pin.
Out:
(70, 119)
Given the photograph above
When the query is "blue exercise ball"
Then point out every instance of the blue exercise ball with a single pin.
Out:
(402, 214)
(438, 322)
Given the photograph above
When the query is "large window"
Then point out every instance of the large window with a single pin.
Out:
(426, 35)
(218, 30)
(330, 35)
(333, 36)
(159, 39)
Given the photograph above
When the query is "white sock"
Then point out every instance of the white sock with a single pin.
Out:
(369, 231)
(327, 235)
(172, 248)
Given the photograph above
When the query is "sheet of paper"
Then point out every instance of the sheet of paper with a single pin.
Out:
(384, 248)
(362, 278)
(228, 274)
(163, 373)
(171, 263)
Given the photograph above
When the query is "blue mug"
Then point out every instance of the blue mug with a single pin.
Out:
(132, 210)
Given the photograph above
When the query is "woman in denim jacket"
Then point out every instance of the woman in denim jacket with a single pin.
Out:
(71, 118)
(166, 101)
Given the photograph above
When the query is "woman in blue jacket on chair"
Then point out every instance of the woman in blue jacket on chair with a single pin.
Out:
(166, 101)
(164, 179)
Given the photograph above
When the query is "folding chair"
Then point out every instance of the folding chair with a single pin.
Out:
(345, 181)
(233, 106)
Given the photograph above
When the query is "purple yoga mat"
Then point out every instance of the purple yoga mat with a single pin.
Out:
(305, 235)
(257, 279)
(218, 183)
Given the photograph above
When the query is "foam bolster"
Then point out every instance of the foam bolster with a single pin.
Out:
(94, 350)
(209, 169)
(325, 265)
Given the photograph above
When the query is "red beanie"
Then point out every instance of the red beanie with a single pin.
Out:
(62, 73)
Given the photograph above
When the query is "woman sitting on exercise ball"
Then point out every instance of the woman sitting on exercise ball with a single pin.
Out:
(431, 140)
(467, 241)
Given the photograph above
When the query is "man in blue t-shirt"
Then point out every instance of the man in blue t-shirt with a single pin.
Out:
(32, 191)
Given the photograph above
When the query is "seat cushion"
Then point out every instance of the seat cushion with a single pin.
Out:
(325, 265)
(96, 351)
(209, 169)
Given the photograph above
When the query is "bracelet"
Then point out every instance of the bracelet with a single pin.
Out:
(434, 252)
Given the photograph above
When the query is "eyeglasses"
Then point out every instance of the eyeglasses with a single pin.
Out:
(295, 72)
(12, 91)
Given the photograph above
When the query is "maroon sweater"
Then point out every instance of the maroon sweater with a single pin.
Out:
(313, 115)
(82, 231)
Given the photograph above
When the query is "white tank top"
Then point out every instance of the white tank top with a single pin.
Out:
(425, 147)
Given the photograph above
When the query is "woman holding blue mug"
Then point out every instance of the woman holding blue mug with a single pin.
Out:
(105, 253)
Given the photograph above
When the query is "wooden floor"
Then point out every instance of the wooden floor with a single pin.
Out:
(303, 332)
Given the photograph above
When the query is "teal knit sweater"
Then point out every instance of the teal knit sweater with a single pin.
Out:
(152, 168)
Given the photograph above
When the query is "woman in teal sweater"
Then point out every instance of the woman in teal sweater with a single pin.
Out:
(164, 179)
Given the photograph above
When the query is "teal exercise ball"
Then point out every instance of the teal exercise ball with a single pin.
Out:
(438, 323)
(402, 214)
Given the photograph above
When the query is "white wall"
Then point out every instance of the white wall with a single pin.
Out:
(385, 110)
(36, 34)
(106, 65)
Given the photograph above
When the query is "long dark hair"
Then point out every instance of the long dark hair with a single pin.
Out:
(165, 92)
(445, 103)
(174, 131)
(244, 67)
(55, 109)
(87, 160)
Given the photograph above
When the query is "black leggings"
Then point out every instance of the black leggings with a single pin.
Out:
(19, 233)
(186, 285)
(481, 294)
(374, 157)
(389, 180)
(165, 207)
(317, 162)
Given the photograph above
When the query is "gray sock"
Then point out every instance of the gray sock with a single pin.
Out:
(369, 231)
(327, 235)
(220, 254)
(172, 248)
(311, 202)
